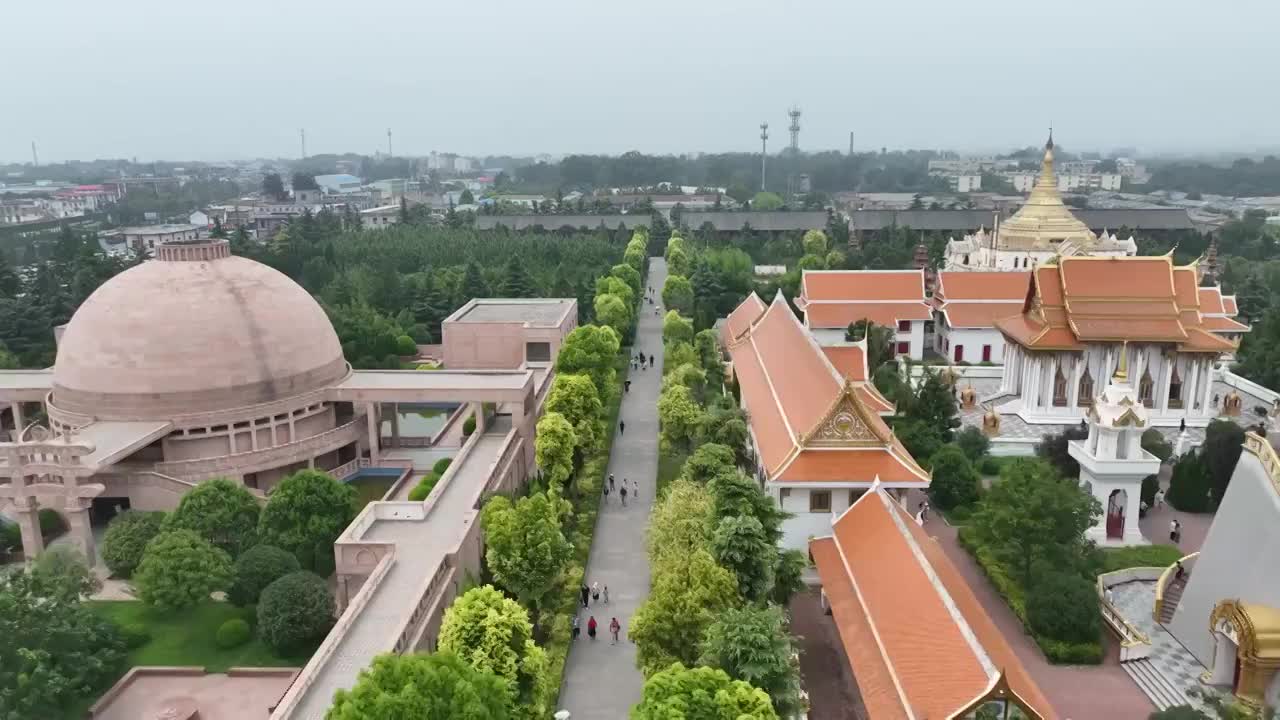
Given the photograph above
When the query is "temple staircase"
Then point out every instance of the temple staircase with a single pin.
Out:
(1172, 594)
(1162, 693)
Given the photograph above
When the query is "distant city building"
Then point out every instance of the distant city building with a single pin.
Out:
(380, 217)
(965, 183)
(145, 238)
(339, 184)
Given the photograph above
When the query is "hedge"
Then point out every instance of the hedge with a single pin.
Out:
(424, 486)
(441, 465)
(1055, 651)
(232, 634)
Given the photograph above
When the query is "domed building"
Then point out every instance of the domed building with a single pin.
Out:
(200, 364)
(1043, 228)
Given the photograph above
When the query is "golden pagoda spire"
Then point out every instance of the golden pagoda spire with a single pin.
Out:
(1045, 191)
(1122, 370)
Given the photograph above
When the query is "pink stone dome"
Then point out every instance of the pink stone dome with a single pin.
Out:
(174, 337)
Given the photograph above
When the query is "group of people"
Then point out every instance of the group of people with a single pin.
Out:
(595, 593)
(632, 488)
(649, 298)
(641, 361)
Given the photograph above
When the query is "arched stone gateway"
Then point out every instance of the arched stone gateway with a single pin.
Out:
(42, 469)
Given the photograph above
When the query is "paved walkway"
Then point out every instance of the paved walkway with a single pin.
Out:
(601, 681)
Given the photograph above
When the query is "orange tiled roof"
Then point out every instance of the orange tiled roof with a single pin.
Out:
(1223, 324)
(956, 285)
(854, 285)
(1229, 305)
(823, 465)
(1211, 301)
(839, 315)
(797, 401)
(747, 312)
(848, 360)
(978, 314)
(915, 634)
(1079, 299)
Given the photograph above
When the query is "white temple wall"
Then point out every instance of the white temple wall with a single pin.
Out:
(973, 340)
(1238, 558)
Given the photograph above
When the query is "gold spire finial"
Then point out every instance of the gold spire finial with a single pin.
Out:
(1122, 370)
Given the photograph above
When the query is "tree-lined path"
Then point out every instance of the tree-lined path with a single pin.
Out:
(601, 681)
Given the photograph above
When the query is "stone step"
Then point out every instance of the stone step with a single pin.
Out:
(1172, 595)
(1160, 691)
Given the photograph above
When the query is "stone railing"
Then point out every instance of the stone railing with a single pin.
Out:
(426, 599)
(308, 676)
(1134, 644)
(1266, 455)
(1188, 562)
(346, 469)
(255, 460)
(261, 410)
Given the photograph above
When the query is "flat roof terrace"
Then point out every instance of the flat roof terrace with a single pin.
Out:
(539, 312)
(426, 386)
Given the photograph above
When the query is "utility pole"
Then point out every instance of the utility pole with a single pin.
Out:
(302, 134)
(851, 143)
(35, 159)
(764, 151)
(388, 142)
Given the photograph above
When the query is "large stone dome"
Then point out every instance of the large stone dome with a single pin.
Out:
(194, 330)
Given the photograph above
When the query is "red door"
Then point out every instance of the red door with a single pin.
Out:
(986, 353)
(959, 353)
(904, 348)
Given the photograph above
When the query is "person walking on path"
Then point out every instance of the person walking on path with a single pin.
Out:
(595, 592)
(585, 593)
(607, 488)
(623, 493)
(611, 481)
(614, 627)
(626, 384)
(605, 592)
(576, 630)
(622, 427)
(591, 627)
(1160, 498)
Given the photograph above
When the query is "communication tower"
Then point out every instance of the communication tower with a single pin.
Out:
(764, 151)
(794, 112)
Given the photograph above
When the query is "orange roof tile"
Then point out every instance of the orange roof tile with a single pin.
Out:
(1211, 301)
(849, 360)
(839, 315)
(1201, 340)
(852, 465)
(1185, 287)
(955, 285)
(852, 285)
(747, 312)
(872, 398)
(1223, 324)
(916, 636)
(978, 314)
(1229, 305)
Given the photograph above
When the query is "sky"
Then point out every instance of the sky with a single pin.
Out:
(236, 79)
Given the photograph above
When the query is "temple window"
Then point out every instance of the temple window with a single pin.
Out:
(1145, 387)
(1175, 389)
(1085, 393)
(1059, 388)
(819, 501)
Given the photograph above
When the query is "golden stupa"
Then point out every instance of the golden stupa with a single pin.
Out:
(1045, 223)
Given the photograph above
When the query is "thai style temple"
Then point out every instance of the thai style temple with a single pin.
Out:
(897, 299)
(1079, 311)
(815, 423)
(1043, 228)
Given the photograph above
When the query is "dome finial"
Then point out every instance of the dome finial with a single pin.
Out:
(1122, 370)
(1049, 145)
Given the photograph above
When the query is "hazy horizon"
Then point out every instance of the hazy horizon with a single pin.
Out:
(237, 80)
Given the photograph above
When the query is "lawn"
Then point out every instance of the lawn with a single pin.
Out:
(1140, 556)
(187, 637)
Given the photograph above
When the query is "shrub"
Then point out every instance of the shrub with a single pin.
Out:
(257, 568)
(180, 569)
(127, 536)
(1153, 442)
(469, 426)
(990, 466)
(974, 443)
(406, 346)
(1064, 607)
(424, 487)
(1054, 449)
(441, 465)
(51, 523)
(1150, 484)
(1190, 484)
(921, 438)
(232, 634)
(954, 482)
(10, 538)
(134, 635)
(221, 511)
(1223, 442)
(294, 611)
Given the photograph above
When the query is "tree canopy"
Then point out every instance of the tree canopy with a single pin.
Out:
(752, 644)
(180, 569)
(526, 549)
(492, 634)
(702, 693)
(688, 594)
(422, 686)
(126, 538)
(553, 449)
(591, 350)
(306, 512)
(221, 511)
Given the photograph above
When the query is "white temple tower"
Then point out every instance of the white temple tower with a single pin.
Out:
(1112, 461)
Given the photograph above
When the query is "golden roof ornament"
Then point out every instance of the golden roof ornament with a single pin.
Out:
(1122, 370)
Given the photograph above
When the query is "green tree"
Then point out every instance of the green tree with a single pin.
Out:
(257, 568)
(920, 438)
(679, 416)
(752, 644)
(739, 544)
(687, 375)
(65, 569)
(180, 569)
(553, 449)
(1031, 514)
(56, 650)
(1053, 448)
(1191, 485)
(814, 243)
(680, 523)
(879, 342)
(766, 202)
(676, 328)
(678, 354)
(492, 633)
(1223, 442)
(708, 460)
(954, 482)
(422, 686)
(629, 275)
(516, 282)
(303, 181)
(788, 576)
(1153, 442)
(466, 198)
(974, 443)
(127, 537)
(273, 186)
(701, 693)
(525, 548)
(1064, 606)
(592, 350)
(635, 253)
(295, 611)
(221, 511)
(736, 493)
(677, 294)
(574, 396)
(473, 284)
(935, 405)
(614, 312)
(1260, 353)
(689, 593)
(306, 512)
(611, 285)
(678, 261)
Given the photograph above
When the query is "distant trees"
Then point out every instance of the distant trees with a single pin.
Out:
(767, 201)
(303, 181)
(273, 187)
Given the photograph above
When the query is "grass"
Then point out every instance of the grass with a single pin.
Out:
(1140, 556)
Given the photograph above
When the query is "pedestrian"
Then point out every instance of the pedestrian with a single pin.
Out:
(1160, 498)
(591, 627)
(614, 627)
(610, 481)
(605, 592)
(1181, 571)
(595, 591)
(1173, 530)
(626, 384)
(576, 630)
(622, 427)
(585, 593)
(623, 494)
(635, 489)
(606, 494)
(1177, 532)
(924, 511)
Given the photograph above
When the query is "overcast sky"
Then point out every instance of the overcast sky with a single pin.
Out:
(203, 79)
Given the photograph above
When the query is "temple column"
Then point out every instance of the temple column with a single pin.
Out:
(371, 412)
(478, 409)
(1207, 364)
(29, 524)
(1073, 392)
(395, 425)
(18, 420)
(1192, 388)
(81, 529)
(1165, 384)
